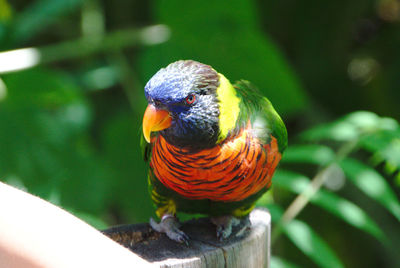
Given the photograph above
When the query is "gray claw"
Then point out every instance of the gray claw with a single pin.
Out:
(226, 223)
(223, 231)
(169, 225)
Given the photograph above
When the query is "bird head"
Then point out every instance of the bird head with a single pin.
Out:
(183, 104)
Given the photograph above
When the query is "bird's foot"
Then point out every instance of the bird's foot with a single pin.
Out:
(226, 223)
(169, 225)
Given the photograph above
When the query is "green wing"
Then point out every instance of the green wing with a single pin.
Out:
(262, 115)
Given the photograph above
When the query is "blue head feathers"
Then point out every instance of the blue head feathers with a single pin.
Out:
(187, 90)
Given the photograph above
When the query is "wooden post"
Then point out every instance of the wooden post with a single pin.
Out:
(248, 248)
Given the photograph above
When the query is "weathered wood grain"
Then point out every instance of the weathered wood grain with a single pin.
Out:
(248, 248)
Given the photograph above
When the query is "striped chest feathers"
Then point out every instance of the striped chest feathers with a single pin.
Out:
(230, 171)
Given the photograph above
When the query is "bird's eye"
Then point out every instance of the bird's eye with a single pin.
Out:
(190, 99)
(157, 103)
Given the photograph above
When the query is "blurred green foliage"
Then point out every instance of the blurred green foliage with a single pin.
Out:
(70, 123)
(344, 160)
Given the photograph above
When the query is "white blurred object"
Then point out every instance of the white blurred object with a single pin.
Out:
(336, 178)
(362, 70)
(156, 34)
(19, 59)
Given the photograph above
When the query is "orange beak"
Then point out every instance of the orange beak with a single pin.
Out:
(155, 120)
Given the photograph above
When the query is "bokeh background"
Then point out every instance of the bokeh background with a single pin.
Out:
(72, 74)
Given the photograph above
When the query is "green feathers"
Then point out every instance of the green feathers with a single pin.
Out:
(242, 104)
(257, 109)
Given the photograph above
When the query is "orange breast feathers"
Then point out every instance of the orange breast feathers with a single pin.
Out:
(231, 171)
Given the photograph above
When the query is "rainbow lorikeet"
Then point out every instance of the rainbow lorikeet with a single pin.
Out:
(212, 146)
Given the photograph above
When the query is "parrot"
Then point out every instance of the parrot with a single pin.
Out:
(211, 146)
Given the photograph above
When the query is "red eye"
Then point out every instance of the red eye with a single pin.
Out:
(190, 99)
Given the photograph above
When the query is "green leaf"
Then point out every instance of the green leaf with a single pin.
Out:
(340, 130)
(350, 127)
(44, 124)
(349, 212)
(374, 142)
(372, 184)
(311, 244)
(40, 15)
(313, 154)
(40, 88)
(275, 210)
(277, 262)
(121, 142)
(385, 145)
(200, 39)
(338, 206)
